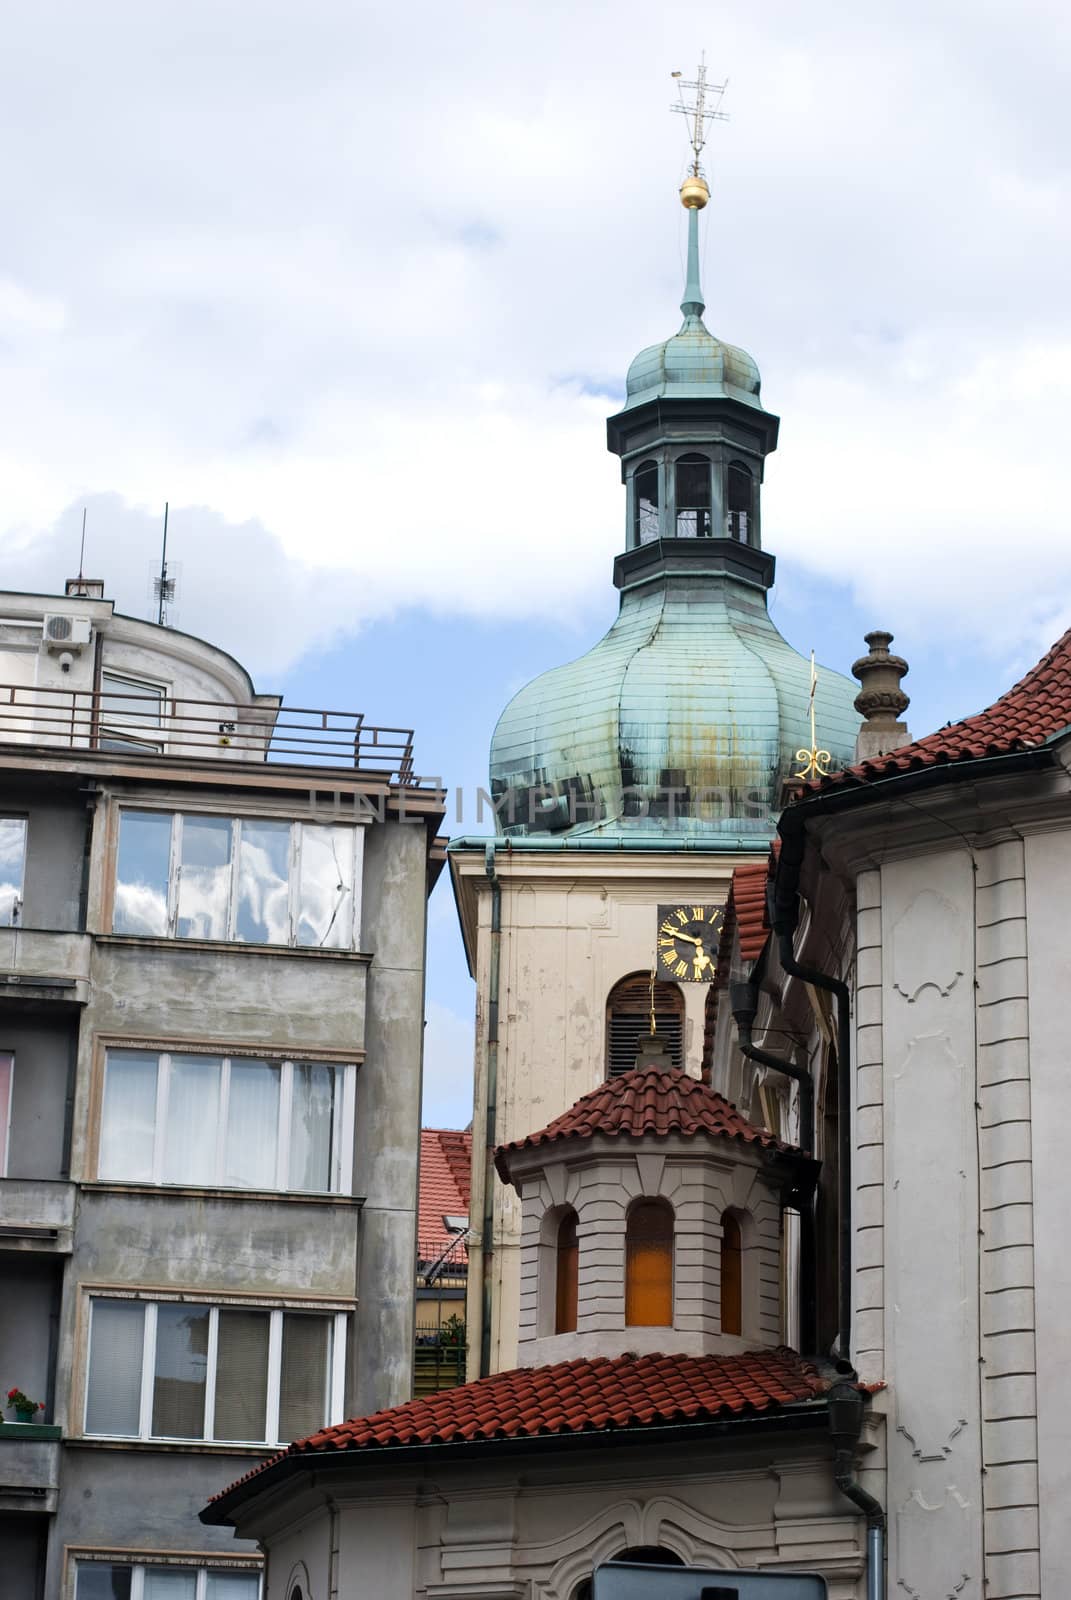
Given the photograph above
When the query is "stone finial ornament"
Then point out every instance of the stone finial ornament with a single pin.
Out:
(881, 701)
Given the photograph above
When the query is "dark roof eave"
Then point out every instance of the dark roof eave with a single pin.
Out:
(804, 1416)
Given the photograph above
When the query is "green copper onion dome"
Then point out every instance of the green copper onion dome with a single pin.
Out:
(685, 720)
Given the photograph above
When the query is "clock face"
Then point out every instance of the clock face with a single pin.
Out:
(688, 942)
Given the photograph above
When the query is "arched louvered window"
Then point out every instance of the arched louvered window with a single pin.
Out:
(649, 1265)
(628, 1016)
(732, 1275)
(645, 521)
(739, 492)
(567, 1275)
(693, 497)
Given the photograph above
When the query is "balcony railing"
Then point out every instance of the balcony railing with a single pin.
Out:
(159, 725)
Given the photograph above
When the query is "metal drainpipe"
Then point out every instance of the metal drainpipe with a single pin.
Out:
(834, 986)
(487, 1241)
(845, 1427)
(743, 1002)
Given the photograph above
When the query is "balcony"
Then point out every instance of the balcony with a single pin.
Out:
(157, 725)
(38, 965)
(29, 1466)
(37, 1214)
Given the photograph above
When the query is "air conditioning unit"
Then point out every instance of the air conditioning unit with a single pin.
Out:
(66, 632)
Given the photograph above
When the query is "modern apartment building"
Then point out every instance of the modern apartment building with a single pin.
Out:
(212, 930)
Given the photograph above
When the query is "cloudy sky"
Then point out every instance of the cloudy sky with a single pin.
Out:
(354, 287)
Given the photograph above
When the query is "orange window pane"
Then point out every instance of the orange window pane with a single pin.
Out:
(732, 1276)
(649, 1266)
(568, 1275)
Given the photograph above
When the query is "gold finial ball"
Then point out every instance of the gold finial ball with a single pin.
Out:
(694, 193)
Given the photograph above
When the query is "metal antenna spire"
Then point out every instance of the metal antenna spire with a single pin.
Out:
(82, 551)
(705, 108)
(163, 586)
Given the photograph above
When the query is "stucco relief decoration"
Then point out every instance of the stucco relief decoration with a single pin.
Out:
(927, 947)
(940, 1454)
(926, 1540)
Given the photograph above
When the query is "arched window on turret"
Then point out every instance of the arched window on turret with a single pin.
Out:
(649, 1265)
(628, 1018)
(567, 1274)
(732, 1275)
(693, 497)
(645, 520)
(739, 502)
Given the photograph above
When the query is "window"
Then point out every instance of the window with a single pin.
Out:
(131, 713)
(732, 1275)
(12, 867)
(738, 510)
(230, 1374)
(121, 1580)
(226, 1122)
(7, 1084)
(567, 1275)
(649, 1265)
(248, 879)
(693, 498)
(645, 521)
(628, 1018)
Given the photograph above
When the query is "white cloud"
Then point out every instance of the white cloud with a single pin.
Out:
(345, 301)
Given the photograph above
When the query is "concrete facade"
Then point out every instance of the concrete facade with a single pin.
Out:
(78, 1227)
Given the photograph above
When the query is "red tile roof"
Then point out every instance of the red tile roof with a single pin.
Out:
(577, 1397)
(646, 1100)
(445, 1183)
(1038, 706)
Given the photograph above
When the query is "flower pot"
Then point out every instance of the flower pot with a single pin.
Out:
(25, 1413)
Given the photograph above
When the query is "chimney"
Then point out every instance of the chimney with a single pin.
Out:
(84, 588)
(880, 701)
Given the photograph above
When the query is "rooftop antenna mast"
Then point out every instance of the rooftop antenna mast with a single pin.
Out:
(704, 108)
(163, 586)
(82, 551)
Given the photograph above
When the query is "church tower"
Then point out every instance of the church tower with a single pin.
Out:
(630, 783)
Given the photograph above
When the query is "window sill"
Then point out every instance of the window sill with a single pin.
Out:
(155, 941)
(200, 1447)
(192, 1191)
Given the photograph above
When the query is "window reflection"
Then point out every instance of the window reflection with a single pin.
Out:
(263, 883)
(142, 873)
(204, 878)
(12, 860)
(178, 1396)
(325, 910)
(313, 1121)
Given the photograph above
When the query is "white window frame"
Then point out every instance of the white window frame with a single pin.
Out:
(297, 827)
(334, 1375)
(19, 902)
(6, 1103)
(341, 1173)
(138, 1569)
(139, 734)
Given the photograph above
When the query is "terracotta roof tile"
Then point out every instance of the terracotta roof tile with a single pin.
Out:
(644, 1101)
(573, 1397)
(445, 1182)
(1038, 706)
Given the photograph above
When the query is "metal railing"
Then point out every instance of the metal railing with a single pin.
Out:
(162, 725)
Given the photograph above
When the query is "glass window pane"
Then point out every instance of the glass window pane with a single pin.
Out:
(113, 1401)
(232, 1586)
(303, 1384)
(142, 871)
(325, 910)
(125, 703)
(204, 878)
(242, 1375)
(103, 1580)
(12, 860)
(192, 1120)
(178, 1395)
(314, 1115)
(252, 1125)
(7, 1071)
(128, 1123)
(263, 883)
(169, 1583)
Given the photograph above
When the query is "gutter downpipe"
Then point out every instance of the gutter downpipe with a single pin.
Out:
(743, 1001)
(846, 1401)
(487, 1249)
